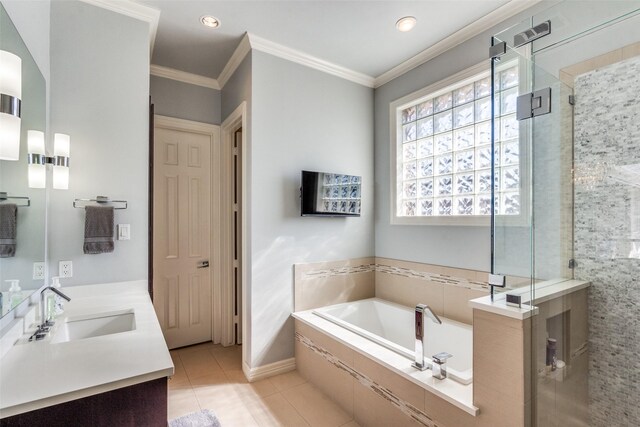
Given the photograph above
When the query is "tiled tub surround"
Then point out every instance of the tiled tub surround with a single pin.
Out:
(446, 289)
(607, 228)
(326, 283)
(377, 386)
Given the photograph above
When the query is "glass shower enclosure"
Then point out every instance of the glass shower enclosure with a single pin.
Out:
(566, 172)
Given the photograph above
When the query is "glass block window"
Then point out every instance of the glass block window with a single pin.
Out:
(444, 162)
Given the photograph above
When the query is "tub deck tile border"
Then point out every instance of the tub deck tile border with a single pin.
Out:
(396, 271)
(404, 406)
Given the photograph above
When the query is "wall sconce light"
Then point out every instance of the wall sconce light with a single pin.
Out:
(61, 146)
(10, 102)
(38, 160)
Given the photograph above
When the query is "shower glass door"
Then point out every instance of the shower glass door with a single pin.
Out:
(533, 159)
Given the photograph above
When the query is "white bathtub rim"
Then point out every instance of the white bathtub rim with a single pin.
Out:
(464, 377)
(459, 395)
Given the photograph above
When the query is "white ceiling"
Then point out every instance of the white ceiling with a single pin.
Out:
(357, 34)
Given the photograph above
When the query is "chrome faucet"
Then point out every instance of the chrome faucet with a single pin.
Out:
(46, 323)
(422, 310)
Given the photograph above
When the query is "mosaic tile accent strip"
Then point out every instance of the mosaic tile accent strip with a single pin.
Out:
(607, 235)
(432, 277)
(397, 271)
(339, 271)
(404, 406)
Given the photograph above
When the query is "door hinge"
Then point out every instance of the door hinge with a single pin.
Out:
(534, 33)
(572, 263)
(572, 99)
(534, 104)
(497, 50)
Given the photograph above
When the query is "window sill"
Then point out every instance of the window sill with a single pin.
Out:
(457, 220)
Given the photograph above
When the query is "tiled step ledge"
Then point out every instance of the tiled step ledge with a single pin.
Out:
(544, 291)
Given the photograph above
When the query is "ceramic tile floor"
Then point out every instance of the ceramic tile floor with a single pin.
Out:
(209, 376)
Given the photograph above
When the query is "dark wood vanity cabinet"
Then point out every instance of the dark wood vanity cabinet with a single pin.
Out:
(139, 405)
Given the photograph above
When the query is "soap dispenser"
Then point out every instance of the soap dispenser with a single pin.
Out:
(55, 304)
(15, 293)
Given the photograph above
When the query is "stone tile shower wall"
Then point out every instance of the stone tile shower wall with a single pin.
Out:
(607, 235)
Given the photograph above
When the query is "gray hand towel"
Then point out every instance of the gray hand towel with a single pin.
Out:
(8, 229)
(98, 229)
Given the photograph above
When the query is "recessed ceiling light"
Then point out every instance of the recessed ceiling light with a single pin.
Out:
(406, 24)
(210, 21)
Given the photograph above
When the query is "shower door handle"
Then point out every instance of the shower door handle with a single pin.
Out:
(203, 264)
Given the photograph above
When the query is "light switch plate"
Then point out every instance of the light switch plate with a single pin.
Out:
(124, 232)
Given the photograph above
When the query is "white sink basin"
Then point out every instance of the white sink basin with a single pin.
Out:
(94, 325)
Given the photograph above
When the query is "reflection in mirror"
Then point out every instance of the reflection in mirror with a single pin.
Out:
(22, 209)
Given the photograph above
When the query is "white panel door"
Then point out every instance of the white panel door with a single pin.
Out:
(181, 233)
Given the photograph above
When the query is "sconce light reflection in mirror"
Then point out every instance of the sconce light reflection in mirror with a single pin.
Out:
(37, 168)
(38, 160)
(10, 103)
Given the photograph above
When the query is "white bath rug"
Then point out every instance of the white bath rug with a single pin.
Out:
(204, 418)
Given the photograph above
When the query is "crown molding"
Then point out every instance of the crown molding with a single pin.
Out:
(133, 10)
(251, 41)
(284, 52)
(236, 59)
(477, 27)
(183, 76)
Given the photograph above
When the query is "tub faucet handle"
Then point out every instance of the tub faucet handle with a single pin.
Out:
(439, 365)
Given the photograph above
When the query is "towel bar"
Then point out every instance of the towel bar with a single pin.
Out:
(4, 197)
(100, 201)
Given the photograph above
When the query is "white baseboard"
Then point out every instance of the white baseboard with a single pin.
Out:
(264, 371)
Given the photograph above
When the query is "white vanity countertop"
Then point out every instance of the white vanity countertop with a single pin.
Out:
(35, 375)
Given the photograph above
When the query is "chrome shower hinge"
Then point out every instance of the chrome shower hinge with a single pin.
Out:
(497, 50)
(534, 104)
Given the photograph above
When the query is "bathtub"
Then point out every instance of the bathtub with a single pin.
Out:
(392, 326)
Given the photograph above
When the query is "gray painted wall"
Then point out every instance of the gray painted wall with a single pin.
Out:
(185, 101)
(31, 18)
(99, 96)
(465, 247)
(301, 119)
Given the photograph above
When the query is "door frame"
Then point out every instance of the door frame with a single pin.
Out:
(215, 244)
(237, 119)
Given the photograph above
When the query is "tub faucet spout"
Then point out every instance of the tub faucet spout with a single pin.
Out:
(422, 310)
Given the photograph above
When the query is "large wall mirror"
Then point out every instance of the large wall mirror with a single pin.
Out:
(17, 263)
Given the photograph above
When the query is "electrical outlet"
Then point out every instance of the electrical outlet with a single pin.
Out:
(65, 269)
(38, 271)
